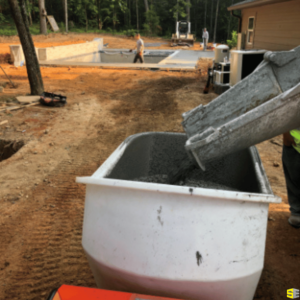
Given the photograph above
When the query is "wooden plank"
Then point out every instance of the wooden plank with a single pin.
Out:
(276, 27)
(284, 22)
(10, 108)
(280, 7)
(256, 4)
(279, 27)
(276, 7)
(3, 122)
(278, 40)
(279, 34)
(18, 107)
(289, 19)
(273, 46)
(28, 99)
(279, 12)
(31, 104)
(284, 16)
(53, 23)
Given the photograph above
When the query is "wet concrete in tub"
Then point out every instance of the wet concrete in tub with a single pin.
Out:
(191, 178)
(162, 158)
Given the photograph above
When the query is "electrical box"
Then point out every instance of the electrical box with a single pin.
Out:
(221, 52)
(243, 63)
(222, 74)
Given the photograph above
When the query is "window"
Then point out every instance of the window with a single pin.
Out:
(250, 34)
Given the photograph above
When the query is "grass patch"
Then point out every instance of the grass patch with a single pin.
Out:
(9, 29)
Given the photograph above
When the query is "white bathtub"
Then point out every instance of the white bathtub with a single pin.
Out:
(176, 241)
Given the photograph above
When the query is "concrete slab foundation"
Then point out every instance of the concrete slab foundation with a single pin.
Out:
(187, 57)
(92, 54)
(167, 60)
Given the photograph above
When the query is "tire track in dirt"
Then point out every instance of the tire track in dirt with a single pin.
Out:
(44, 240)
(54, 245)
(49, 232)
(52, 254)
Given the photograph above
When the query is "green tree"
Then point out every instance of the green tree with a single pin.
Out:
(82, 10)
(152, 22)
(129, 14)
(179, 9)
(233, 42)
(112, 11)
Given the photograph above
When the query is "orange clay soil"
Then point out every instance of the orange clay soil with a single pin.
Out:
(42, 206)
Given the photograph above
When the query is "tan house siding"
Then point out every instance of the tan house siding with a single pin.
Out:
(277, 26)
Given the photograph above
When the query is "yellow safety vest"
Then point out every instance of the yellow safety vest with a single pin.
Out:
(296, 135)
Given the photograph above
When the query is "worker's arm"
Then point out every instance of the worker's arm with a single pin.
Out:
(288, 140)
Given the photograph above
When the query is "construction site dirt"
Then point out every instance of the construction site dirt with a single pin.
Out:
(41, 204)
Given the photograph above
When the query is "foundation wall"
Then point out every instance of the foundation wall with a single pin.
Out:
(59, 52)
(17, 55)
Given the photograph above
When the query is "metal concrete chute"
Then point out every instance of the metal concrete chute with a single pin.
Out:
(263, 105)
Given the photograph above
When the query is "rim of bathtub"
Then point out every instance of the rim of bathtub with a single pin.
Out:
(98, 178)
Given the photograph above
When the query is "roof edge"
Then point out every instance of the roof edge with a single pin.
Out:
(242, 5)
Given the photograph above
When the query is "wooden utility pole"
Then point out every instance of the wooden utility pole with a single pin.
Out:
(43, 14)
(216, 21)
(66, 16)
(32, 64)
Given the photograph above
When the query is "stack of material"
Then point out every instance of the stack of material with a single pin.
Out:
(24, 101)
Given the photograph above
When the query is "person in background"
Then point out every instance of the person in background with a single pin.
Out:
(291, 166)
(139, 49)
(205, 37)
